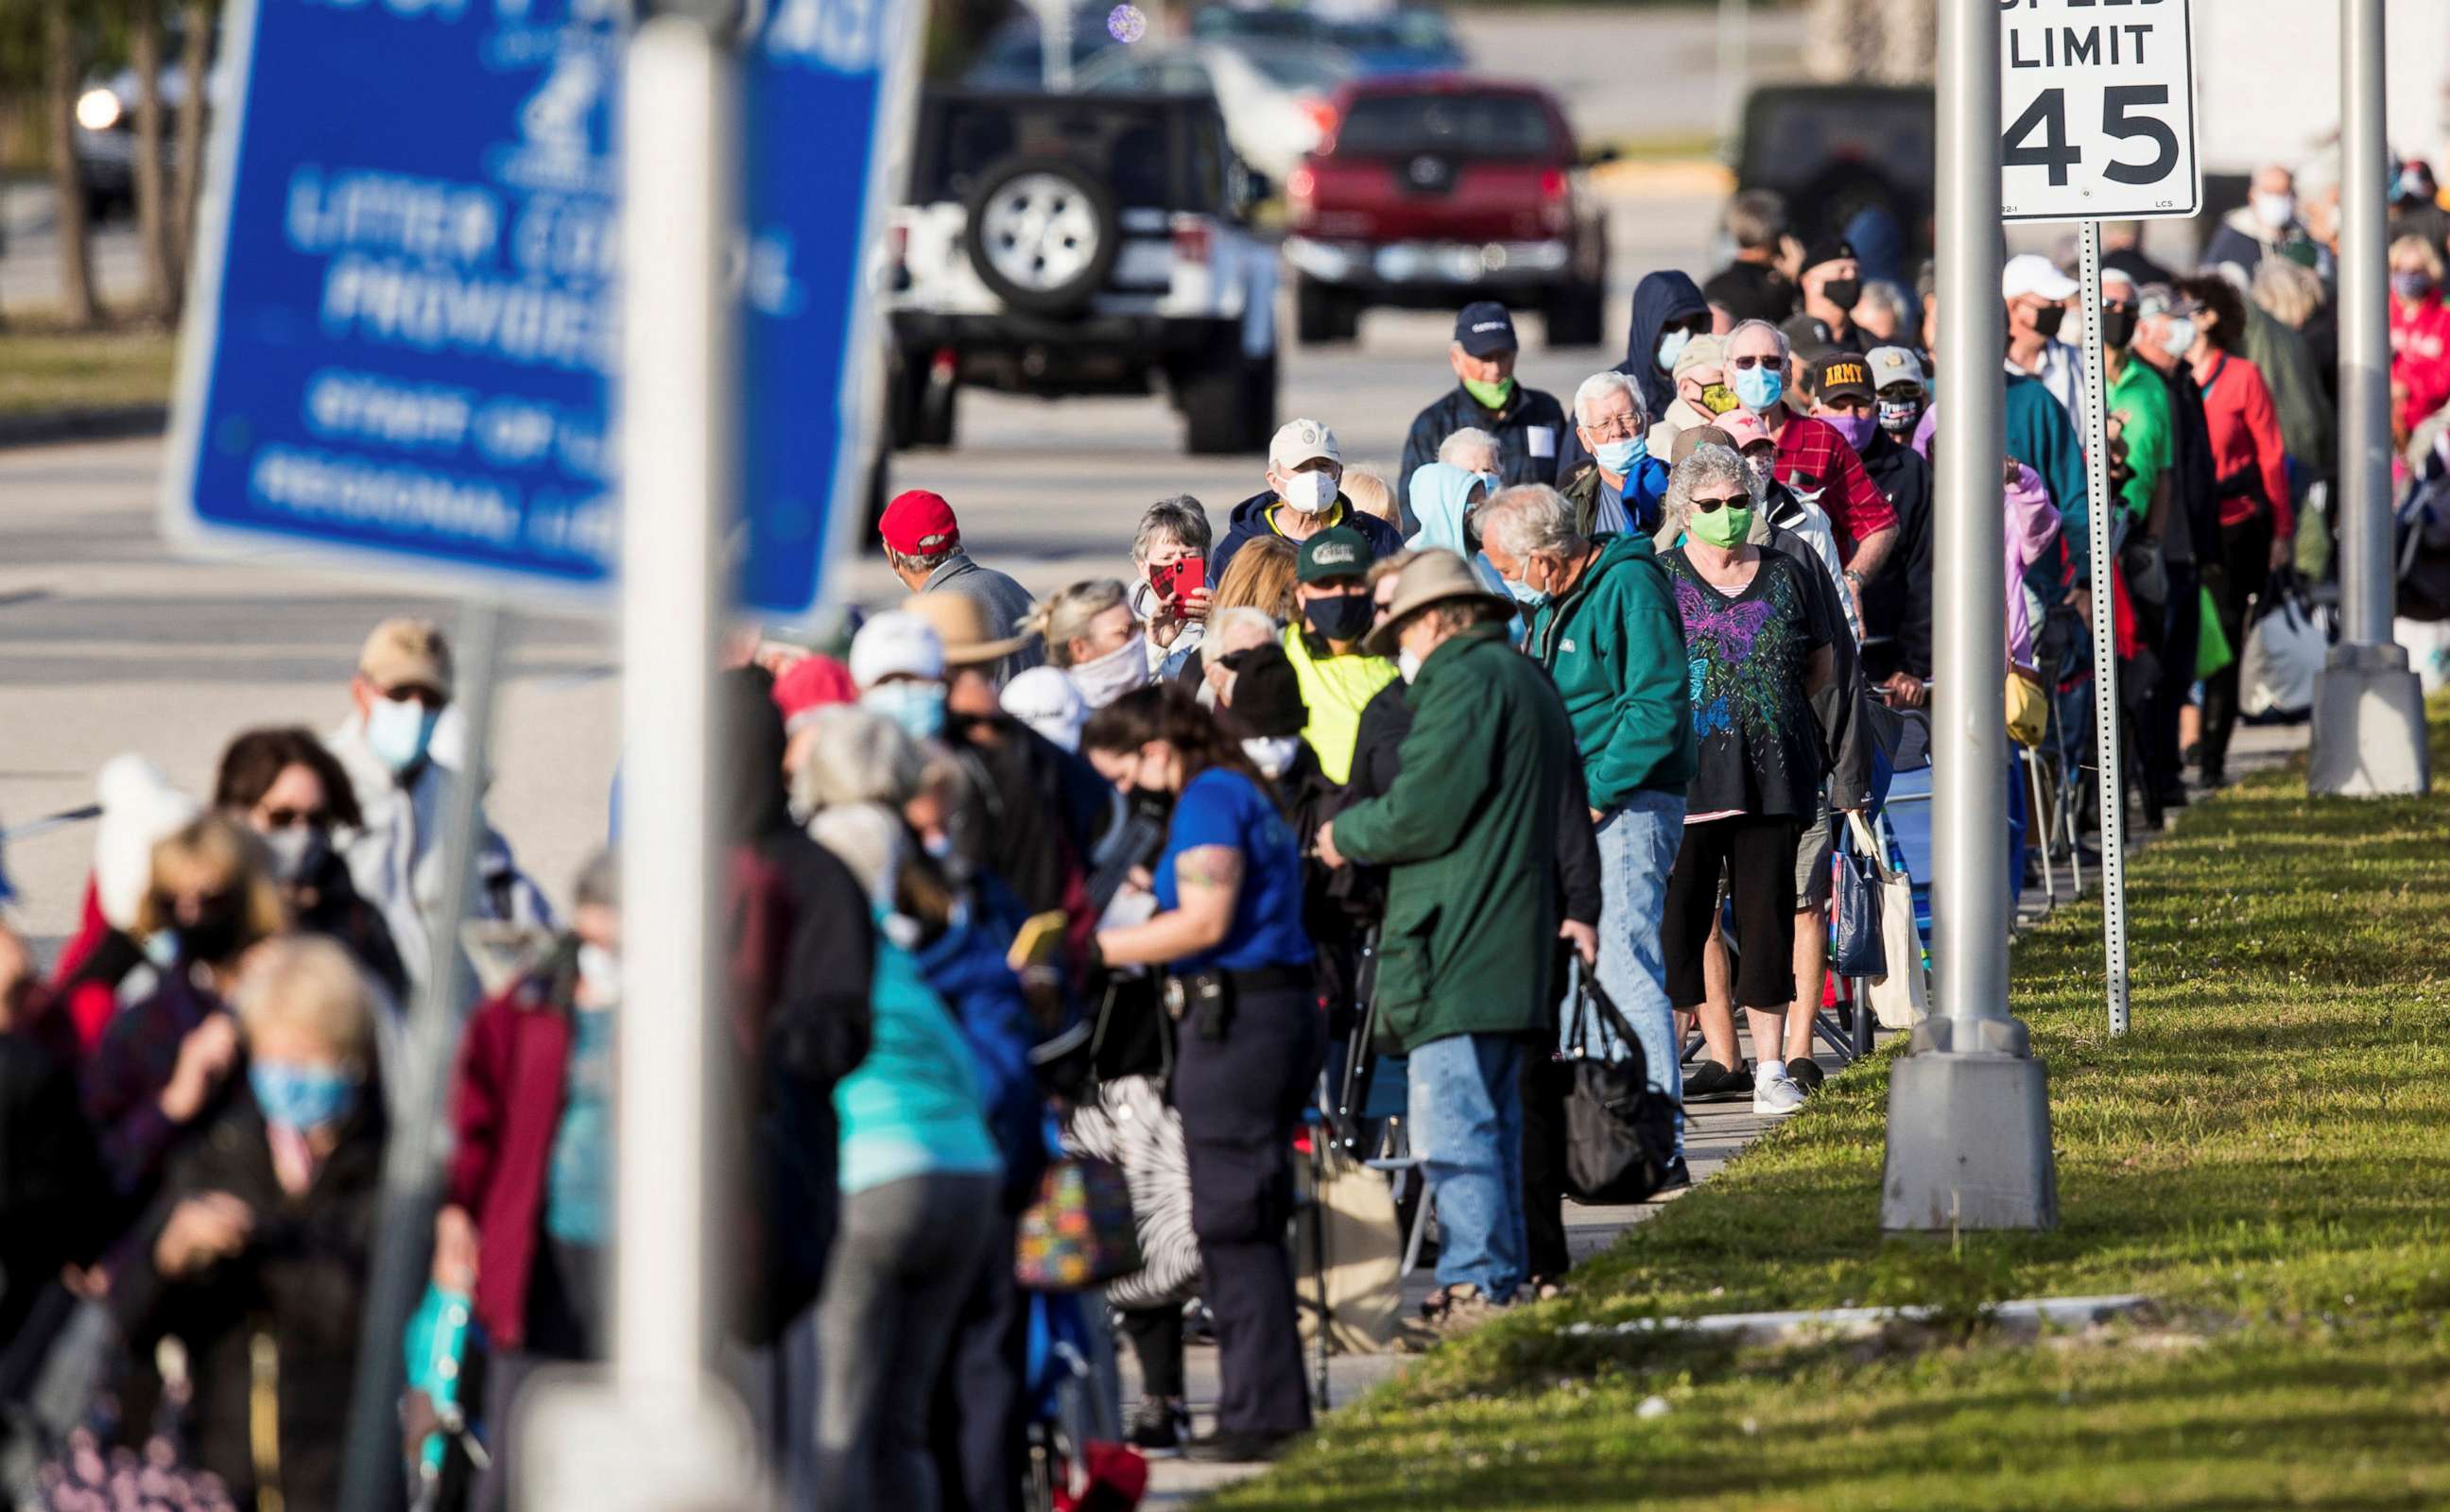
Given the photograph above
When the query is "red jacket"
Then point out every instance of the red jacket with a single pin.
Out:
(86, 982)
(2245, 438)
(2420, 357)
(506, 1096)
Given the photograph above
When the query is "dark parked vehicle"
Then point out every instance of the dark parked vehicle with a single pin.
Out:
(1835, 150)
(1081, 243)
(1434, 190)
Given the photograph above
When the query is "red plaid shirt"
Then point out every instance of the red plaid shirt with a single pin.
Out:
(1815, 461)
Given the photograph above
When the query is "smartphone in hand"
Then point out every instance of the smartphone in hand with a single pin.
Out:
(1179, 579)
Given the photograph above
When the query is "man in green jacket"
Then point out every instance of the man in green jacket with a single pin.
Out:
(1465, 968)
(1605, 627)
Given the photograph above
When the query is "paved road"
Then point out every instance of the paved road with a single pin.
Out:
(108, 643)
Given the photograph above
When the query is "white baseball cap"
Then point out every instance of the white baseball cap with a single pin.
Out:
(2032, 273)
(1299, 442)
(896, 644)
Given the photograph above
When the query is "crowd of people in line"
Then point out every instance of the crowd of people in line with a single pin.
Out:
(1575, 705)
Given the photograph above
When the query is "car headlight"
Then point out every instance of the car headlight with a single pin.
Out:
(97, 109)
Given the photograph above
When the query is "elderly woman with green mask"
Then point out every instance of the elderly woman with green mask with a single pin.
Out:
(1757, 643)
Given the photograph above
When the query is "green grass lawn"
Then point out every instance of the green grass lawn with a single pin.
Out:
(2266, 1153)
(45, 370)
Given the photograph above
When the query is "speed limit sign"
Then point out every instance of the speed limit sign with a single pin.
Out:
(2098, 99)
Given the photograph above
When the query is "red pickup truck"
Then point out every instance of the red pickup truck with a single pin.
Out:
(1430, 191)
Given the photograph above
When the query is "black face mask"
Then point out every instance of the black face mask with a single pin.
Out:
(216, 934)
(2047, 318)
(1343, 617)
(2117, 324)
(1842, 292)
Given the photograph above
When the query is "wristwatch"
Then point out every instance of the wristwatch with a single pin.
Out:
(1854, 577)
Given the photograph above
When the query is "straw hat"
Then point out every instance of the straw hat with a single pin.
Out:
(1432, 577)
(960, 621)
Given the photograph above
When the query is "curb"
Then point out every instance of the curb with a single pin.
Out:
(111, 423)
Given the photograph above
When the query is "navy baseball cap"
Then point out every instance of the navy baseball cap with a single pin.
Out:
(1484, 329)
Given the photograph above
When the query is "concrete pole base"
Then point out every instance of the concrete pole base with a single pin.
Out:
(1969, 1133)
(2368, 726)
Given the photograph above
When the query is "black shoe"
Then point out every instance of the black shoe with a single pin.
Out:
(1806, 1073)
(1159, 1427)
(1712, 1082)
(1235, 1448)
(2174, 795)
(1678, 1174)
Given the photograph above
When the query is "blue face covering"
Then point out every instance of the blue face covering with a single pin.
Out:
(301, 1097)
(918, 707)
(1758, 387)
(1438, 492)
(1620, 458)
(1525, 594)
(398, 731)
(1671, 346)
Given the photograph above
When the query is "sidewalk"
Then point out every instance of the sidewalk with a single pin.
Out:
(1715, 1135)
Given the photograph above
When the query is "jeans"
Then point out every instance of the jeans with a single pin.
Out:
(1467, 1115)
(1638, 843)
(906, 1257)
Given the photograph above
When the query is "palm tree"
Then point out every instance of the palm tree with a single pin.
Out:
(152, 199)
(62, 73)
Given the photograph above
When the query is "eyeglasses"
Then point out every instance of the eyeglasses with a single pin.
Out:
(1740, 363)
(1711, 506)
(286, 818)
(431, 698)
(1617, 428)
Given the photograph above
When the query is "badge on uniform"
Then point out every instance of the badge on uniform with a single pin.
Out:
(1543, 439)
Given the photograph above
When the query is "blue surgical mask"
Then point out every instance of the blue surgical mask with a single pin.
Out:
(301, 1097)
(1671, 346)
(398, 731)
(1525, 594)
(918, 707)
(1620, 458)
(1757, 387)
(2180, 338)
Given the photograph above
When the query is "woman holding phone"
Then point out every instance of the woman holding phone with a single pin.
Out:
(1170, 551)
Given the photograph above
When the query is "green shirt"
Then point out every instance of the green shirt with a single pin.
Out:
(2140, 401)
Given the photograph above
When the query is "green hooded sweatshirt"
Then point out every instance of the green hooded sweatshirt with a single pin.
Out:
(1615, 645)
(1467, 832)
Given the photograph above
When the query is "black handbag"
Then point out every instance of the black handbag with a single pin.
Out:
(1855, 947)
(1620, 1131)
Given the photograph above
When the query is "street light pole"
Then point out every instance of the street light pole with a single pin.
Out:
(1969, 1132)
(2368, 705)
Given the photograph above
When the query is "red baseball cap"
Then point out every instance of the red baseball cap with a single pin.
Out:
(919, 523)
(810, 684)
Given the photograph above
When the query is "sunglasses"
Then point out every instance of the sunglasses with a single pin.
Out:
(1711, 506)
(1744, 362)
(286, 818)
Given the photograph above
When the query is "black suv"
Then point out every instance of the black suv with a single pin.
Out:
(1061, 244)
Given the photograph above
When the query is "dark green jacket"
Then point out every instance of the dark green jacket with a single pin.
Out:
(1615, 645)
(1469, 834)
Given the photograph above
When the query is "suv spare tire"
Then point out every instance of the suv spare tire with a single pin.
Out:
(1041, 233)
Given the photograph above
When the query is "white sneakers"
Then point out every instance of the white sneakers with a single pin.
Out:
(1775, 1094)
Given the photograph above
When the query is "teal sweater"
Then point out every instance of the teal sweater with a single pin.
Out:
(912, 1108)
(1615, 647)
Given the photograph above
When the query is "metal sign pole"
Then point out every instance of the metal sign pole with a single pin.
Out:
(2110, 779)
(1969, 1128)
(2368, 705)
(375, 1475)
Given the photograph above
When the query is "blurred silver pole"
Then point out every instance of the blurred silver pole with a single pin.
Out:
(375, 1475)
(2110, 779)
(1969, 1139)
(667, 1434)
(2369, 707)
(677, 468)
(1055, 44)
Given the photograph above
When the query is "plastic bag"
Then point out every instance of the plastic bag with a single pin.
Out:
(1856, 948)
(2284, 651)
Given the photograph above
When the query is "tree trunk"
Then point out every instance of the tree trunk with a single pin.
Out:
(61, 76)
(152, 202)
(195, 63)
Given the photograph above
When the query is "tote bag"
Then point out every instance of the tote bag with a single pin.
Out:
(1901, 997)
(1620, 1131)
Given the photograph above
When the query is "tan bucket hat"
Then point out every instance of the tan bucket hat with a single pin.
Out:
(960, 622)
(1432, 577)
